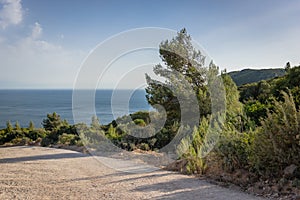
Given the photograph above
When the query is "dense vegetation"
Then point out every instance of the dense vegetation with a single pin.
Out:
(261, 133)
(246, 76)
(54, 131)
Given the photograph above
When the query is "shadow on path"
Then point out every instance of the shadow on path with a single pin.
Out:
(193, 189)
(43, 157)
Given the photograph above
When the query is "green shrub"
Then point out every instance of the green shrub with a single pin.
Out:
(46, 142)
(112, 133)
(141, 115)
(233, 148)
(191, 149)
(144, 146)
(68, 139)
(132, 147)
(140, 122)
(255, 110)
(21, 141)
(277, 145)
(36, 133)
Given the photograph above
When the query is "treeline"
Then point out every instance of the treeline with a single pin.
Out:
(121, 132)
(260, 97)
(54, 131)
(271, 141)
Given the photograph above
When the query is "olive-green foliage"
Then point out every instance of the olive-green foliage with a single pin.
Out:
(21, 140)
(141, 115)
(233, 105)
(277, 145)
(296, 94)
(11, 134)
(234, 149)
(34, 134)
(113, 133)
(260, 91)
(160, 94)
(53, 122)
(256, 110)
(235, 136)
(95, 123)
(55, 127)
(68, 139)
(134, 131)
(193, 149)
(190, 149)
(91, 136)
(144, 146)
(179, 58)
(293, 77)
(19, 135)
(96, 136)
(140, 122)
(258, 97)
(31, 126)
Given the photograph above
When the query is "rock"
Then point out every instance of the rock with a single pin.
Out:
(290, 171)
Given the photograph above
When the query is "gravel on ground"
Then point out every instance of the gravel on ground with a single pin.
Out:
(49, 173)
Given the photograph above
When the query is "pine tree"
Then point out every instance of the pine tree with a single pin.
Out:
(180, 60)
(17, 126)
(31, 126)
(9, 127)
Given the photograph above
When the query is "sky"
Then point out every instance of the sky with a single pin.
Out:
(43, 44)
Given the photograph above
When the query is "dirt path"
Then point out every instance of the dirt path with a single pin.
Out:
(44, 173)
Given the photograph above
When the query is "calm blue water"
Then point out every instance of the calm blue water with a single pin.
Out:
(26, 105)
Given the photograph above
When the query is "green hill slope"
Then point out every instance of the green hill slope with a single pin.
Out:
(254, 75)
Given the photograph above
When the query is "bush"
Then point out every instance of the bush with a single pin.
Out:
(255, 110)
(140, 122)
(141, 115)
(36, 133)
(68, 139)
(233, 148)
(46, 142)
(190, 150)
(21, 141)
(277, 145)
(144, 146)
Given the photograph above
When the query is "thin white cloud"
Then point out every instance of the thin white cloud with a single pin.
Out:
(11, 13)
(32, 62)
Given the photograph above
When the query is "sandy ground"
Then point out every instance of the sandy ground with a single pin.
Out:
(47, 173)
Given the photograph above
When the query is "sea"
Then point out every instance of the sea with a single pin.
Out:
(24, 106)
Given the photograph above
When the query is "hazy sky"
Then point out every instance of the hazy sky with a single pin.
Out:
(43, 43)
